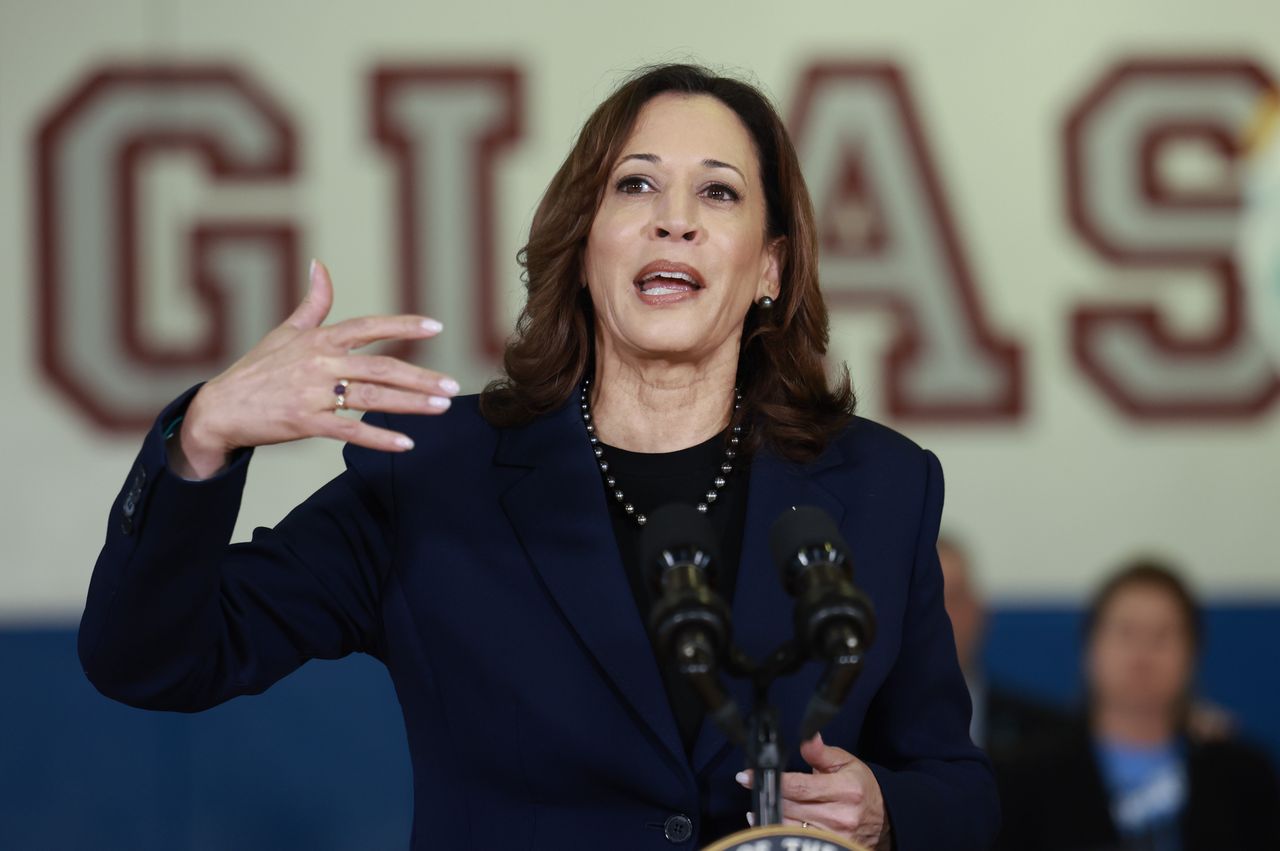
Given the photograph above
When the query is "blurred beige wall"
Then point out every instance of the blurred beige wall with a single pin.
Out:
(1050, 496)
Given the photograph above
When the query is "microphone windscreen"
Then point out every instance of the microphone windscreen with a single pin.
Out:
(802, 527)
(674, 527)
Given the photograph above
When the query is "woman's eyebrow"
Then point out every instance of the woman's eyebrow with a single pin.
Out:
(718, 164)
(709, 163)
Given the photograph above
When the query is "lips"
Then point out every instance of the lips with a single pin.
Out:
(663, 277)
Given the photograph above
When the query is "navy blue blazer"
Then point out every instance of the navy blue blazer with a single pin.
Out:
(482, 569)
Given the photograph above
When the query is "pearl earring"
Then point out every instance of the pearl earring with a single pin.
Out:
(765, 303)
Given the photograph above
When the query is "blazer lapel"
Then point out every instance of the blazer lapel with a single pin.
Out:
(559, 513)
(761, 608)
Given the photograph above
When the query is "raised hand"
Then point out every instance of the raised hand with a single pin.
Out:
(284, 388)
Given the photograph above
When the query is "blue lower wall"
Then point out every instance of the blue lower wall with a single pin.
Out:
(320, 761)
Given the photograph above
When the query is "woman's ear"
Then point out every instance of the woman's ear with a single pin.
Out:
(775, 257)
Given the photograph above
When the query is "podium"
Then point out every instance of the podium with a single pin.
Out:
(784, 838)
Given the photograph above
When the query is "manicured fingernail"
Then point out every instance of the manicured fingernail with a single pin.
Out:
(440, 402)
(404, 442)
(751, 819)
(311, 270)
(741, 777)
(432, 325)
(448, 385)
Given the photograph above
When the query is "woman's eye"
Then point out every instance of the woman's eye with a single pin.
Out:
(721, 192)
(633, 185)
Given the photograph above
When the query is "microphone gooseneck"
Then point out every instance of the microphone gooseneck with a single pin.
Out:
(834, 621)
(690, 622)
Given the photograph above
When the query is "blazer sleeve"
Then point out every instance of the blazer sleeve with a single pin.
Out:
(177, 618)
(938, 786)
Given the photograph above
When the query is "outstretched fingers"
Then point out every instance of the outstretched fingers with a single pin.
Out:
(364, 330)
(376, 397)
(392, 372)
(360, 433)
(312, 310)
(292, 383)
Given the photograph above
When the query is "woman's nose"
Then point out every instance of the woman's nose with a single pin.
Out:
(676, 217)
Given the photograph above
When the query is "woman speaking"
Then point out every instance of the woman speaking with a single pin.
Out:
(485, 547)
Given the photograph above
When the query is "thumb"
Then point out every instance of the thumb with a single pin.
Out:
(315, 307)
(823, 758)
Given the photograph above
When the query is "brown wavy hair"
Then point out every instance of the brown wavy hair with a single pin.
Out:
(788, 403)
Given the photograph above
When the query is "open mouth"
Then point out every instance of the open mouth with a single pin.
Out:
(667, 279)
(667, 283)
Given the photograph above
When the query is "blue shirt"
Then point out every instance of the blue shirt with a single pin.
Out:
(1147, 787)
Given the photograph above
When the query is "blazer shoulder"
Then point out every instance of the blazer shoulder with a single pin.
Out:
(872, 447)
(869, 434)
(869, 460)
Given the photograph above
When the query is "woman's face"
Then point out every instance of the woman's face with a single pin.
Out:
(1141, 658)
(677, 251)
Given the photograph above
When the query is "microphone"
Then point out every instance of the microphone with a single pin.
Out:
(834, 621)
(690, 622)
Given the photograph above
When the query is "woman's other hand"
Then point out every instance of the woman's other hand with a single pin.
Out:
(841, 796)
(285, 387)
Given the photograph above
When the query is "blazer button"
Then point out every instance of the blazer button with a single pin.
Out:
(135, 492)
(130, 505)
(678, 829)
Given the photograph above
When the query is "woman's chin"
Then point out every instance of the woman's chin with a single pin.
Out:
(671, 347)
(664, 333)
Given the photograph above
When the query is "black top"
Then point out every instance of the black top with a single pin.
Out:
(651, 480)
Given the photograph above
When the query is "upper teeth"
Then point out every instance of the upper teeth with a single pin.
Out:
(680, 276)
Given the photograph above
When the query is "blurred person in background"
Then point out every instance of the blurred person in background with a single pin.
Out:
(1005, 722)
(1132, 775)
